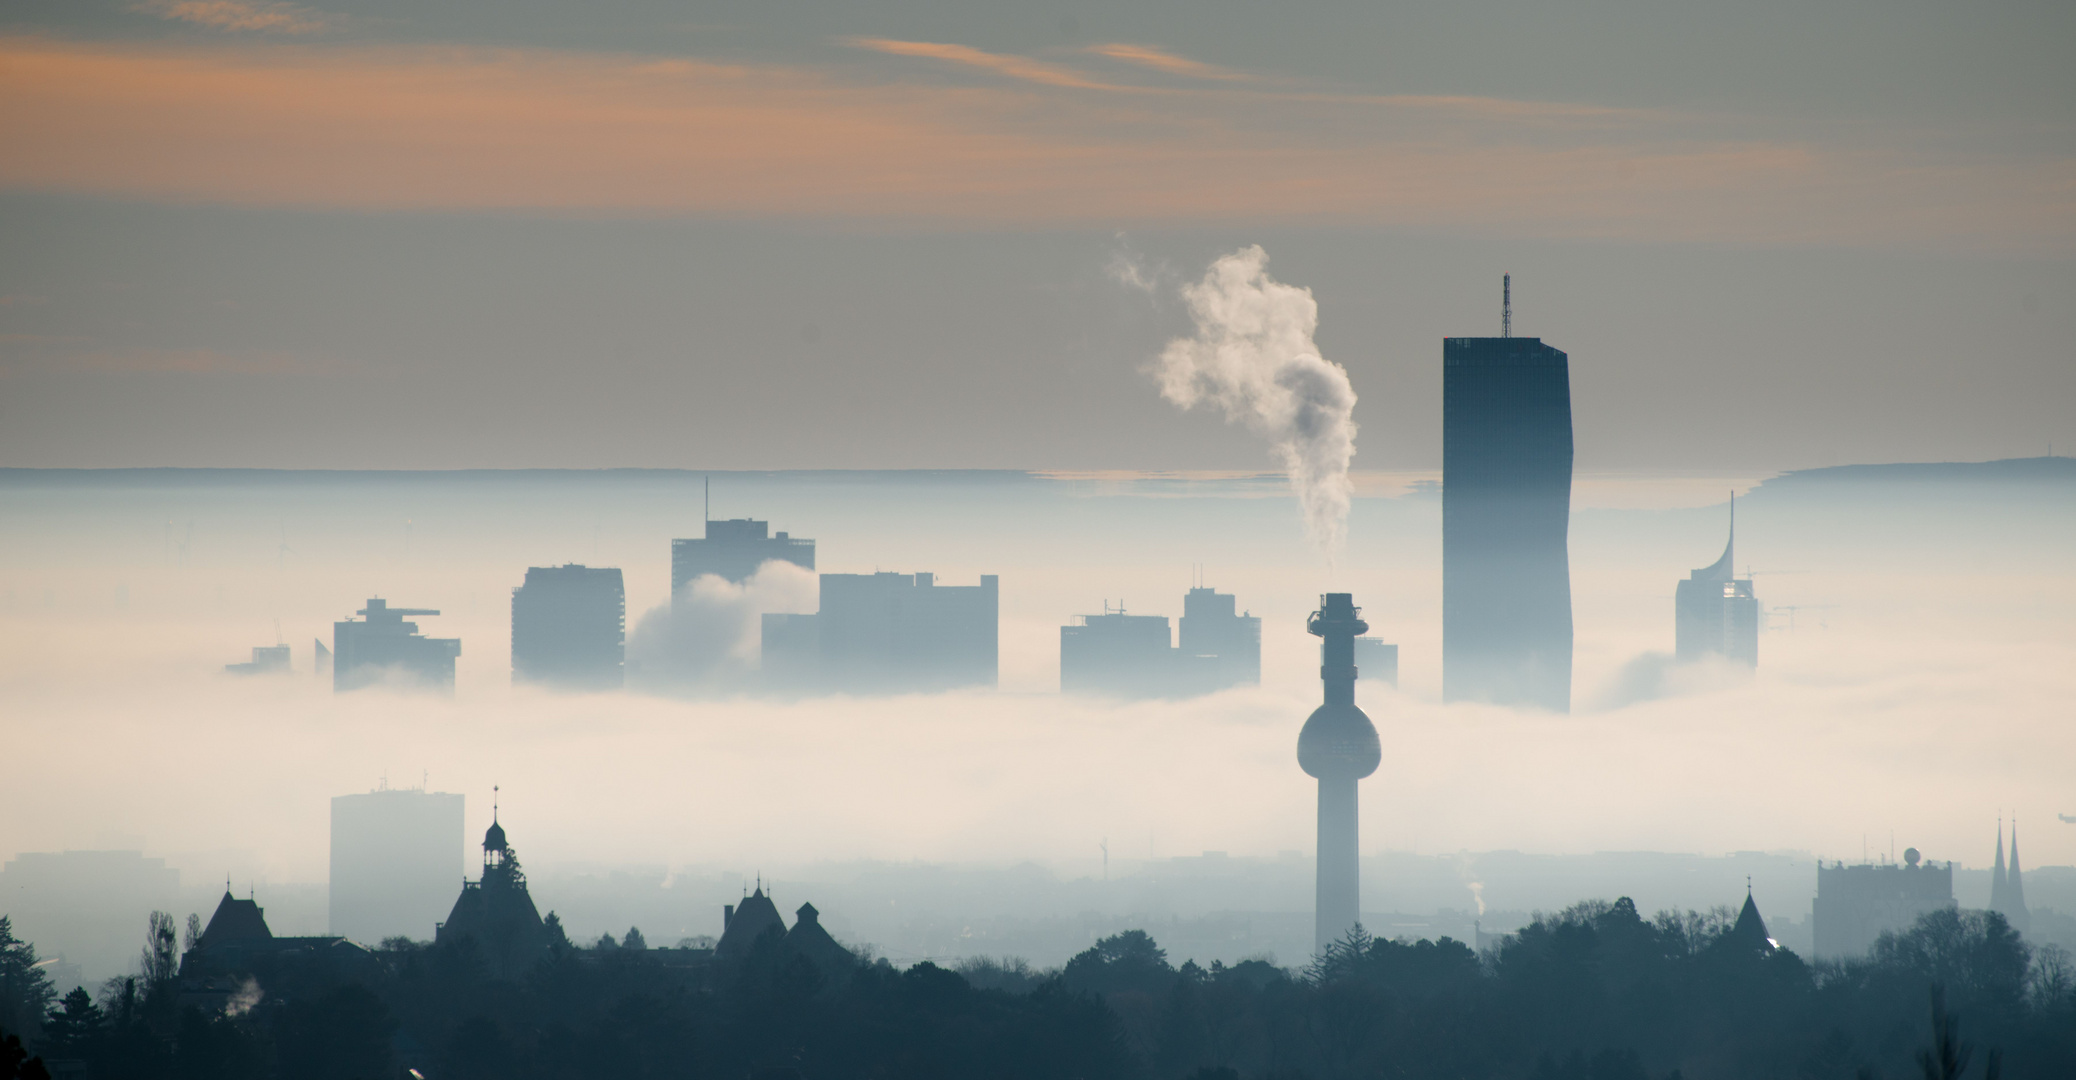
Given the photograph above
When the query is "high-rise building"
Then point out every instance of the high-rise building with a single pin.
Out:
(1134, 655)
(1506, 511)
(396, 855)
(266, 660)
(1376, 659)
(1715, 612)
(1338, 746)
(1210, 627)
(384, 645)
(887, 633)
(569, 627)
(86, 905)
(1855, 905)
(733, 550)
(1120, 654)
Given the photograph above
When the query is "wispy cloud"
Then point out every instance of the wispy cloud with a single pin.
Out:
(1163, 61)
(383, 128)
(1005, 64)
(277, 18)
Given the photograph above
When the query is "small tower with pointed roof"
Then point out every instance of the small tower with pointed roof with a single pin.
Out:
(1999, 886)
(496, 911)
(1749, 932)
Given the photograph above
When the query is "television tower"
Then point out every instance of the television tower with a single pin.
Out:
(1339, 746)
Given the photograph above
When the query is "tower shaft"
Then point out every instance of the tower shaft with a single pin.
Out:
(1339, 883)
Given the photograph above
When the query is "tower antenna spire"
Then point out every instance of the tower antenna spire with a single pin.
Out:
(1506, 305)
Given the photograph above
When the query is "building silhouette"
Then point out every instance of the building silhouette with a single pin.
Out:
(1338, 746)
(237, 950)
(887, 633)
(1210, 627)
(1125, 655)
(2007, 884)
(733, 550)
(86, 905)
(1506, 510)
(1715, 612)
(569, 628)
(756, 924)
(366, 652)
(1748, 933)
(266, 660)
(742, 924)
(395, 857)
(1376, 659)
(1121, 655)
(495, 913)
(1855, 904)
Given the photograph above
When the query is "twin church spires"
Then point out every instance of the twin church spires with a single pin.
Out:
(2007, 887)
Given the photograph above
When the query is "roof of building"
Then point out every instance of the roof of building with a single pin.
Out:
(235, 920)
(1750, 930)
(749, 921)
(494, 837)
(809, 939)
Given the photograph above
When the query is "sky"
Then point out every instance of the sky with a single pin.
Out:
(932, 235)
(900, 235)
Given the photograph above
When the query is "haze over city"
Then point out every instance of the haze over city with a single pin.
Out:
(931, 460)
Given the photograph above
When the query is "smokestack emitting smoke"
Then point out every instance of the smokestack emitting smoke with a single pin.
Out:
(1254, 358)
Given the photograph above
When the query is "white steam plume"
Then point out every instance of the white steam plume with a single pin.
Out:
(1253, 357)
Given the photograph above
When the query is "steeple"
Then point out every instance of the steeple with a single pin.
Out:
(2015, 889)
(1999, 891)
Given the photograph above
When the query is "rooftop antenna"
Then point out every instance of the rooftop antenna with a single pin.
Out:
(1506, 305)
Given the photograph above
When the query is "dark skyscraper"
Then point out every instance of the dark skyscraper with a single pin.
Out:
(1715, 611)
(1339, 746)
(569, 627)
(1506, 510)
(384, 644)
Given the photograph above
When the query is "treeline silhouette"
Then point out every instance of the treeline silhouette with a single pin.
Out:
(1596, 992)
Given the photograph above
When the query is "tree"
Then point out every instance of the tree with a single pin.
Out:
(70, 1029)
(161, 959)
(15, 1062)
(633, 940)
(194, 930)
(25, 988)
(1127, 961)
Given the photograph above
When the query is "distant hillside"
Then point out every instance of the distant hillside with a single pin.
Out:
(2055, 471)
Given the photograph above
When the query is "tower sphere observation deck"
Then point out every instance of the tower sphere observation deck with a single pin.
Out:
(1338, 741)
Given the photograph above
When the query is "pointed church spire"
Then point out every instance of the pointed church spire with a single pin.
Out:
(2015, 887)
(1999, 900)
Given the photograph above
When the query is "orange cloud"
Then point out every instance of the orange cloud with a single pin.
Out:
(1163, 61)
(438, 128)
(1015, 67)
(235, 15)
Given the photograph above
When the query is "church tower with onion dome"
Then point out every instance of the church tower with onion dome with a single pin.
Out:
(495, 912)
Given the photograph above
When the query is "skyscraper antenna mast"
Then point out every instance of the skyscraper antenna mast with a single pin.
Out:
(1506, 305)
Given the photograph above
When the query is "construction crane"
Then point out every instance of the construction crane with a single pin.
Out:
(1791, 609)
